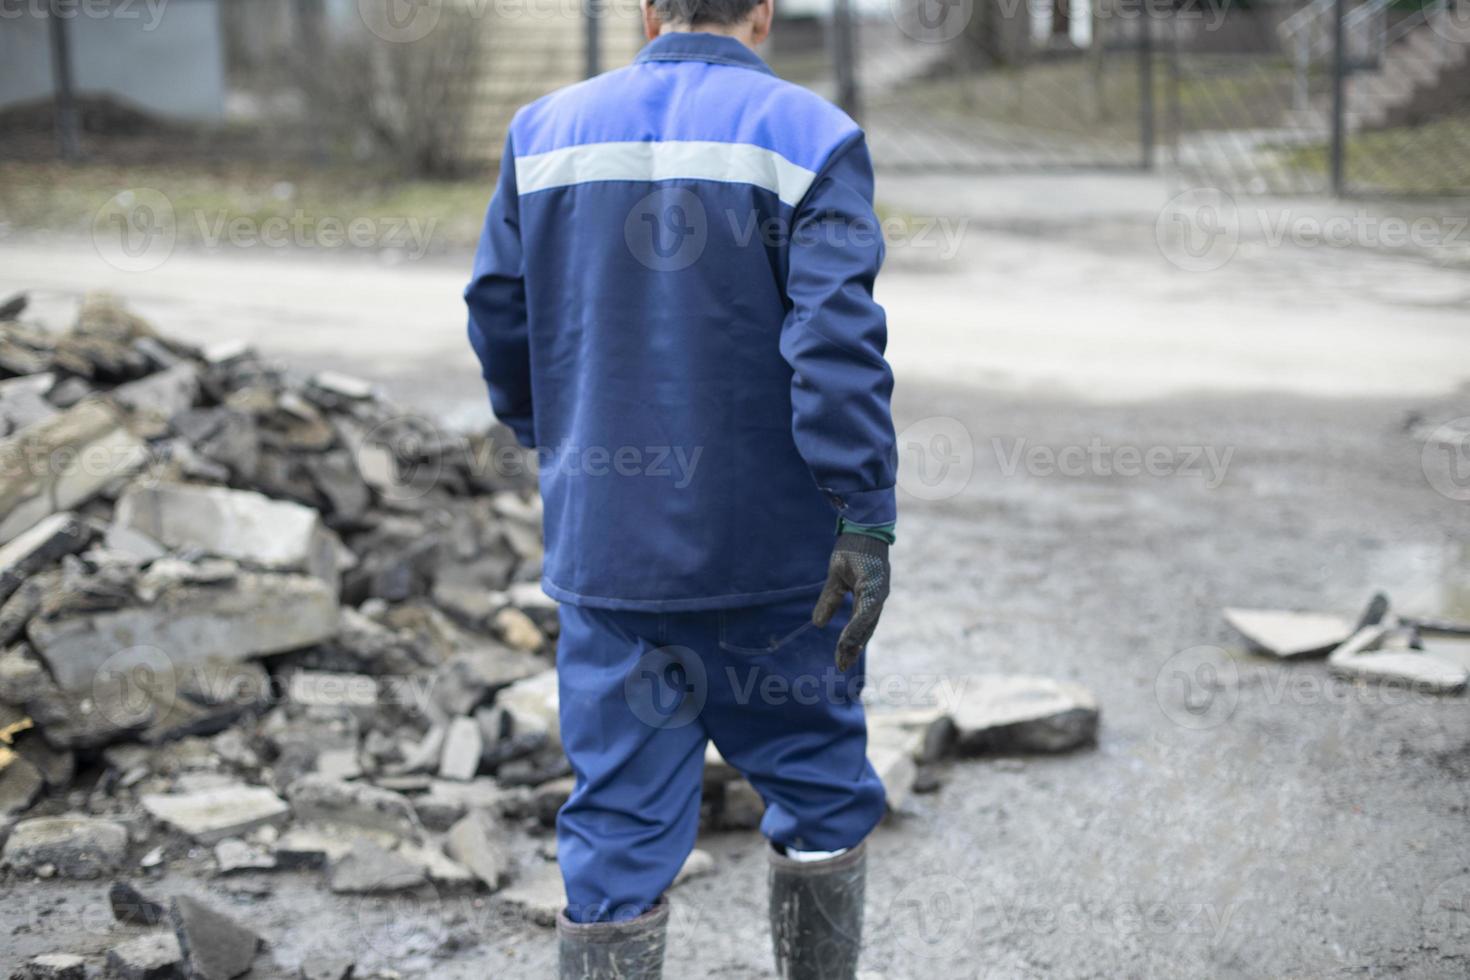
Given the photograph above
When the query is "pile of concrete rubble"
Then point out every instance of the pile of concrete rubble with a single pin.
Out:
(252, 622)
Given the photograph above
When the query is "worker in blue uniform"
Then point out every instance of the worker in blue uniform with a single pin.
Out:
(672, 303)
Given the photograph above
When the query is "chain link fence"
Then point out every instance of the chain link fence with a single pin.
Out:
(1254, 96)
(1358, 98)
(1236, 94)
(976, 85)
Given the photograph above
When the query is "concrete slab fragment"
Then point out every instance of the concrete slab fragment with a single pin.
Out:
(1284, 634)
(62, 462)
(211, 815)
(77, 847)
(538, 896)
(1022, 714)
(1411, 669)
(254, 615)
(243, 525)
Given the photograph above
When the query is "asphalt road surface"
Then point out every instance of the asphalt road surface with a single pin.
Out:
(1239, 817)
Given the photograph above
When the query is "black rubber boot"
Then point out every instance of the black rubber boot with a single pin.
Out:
(817, 915)
(632, 950)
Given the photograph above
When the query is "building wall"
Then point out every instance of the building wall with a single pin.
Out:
(168, 60)
(528, 55)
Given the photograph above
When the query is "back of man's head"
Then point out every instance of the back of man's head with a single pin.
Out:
(698, 13)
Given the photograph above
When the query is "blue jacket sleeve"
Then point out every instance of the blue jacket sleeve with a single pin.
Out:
(496, 297)
(833, 338)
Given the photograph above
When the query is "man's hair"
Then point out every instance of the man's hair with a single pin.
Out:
(692, 12)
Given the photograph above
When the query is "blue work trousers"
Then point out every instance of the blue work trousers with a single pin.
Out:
(642, 694)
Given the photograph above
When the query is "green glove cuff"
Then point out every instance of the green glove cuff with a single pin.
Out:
(883, 532)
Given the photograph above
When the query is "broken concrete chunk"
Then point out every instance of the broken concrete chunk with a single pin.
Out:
(344, 385)
(518, 630)
(548, 799)
(23, 401)
(896, 769)
(927, 734)
(470, 677)
(1022, 714)
(1290, 634)
(62, 462)
(315, 846)
(478, 843)
(21, 784)
(1369, 637)
(233, 854)
(248, 527)
(225, 351)
(252, 616)
(539, 895)
(461, 755)
(741, 807)
(131, 908)
(53, 966)
(1412, 669)
(439, 867)
(326, 965)
(338, 763)
(38, 548)
(77, 847)
(153, 957)
(323, 689)
(1452, 650)
(161, 395)
(336, 477)
(369, 869)
(331, 801)
(17, 611)
(211, 815)
(697, 865)
(214, 946)
(533, 705)
(56, 766)
(446, 802)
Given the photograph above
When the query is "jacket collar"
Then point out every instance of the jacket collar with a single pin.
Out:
(699, 46)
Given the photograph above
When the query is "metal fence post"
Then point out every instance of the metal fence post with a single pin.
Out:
(844, 58)
(1174, 110)
(592, 37)
(67, 139)
(1339, 106)
(1146, 89)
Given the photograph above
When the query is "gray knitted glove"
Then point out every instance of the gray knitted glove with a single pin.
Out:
(859, 565)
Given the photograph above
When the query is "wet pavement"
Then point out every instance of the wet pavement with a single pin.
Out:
(1091, 473)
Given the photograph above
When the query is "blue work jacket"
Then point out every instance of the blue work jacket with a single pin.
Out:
(672, 302)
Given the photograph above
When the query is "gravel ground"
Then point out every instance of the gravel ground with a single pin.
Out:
(1239, 817)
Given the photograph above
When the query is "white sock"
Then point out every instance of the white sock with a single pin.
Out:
(796, 855)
